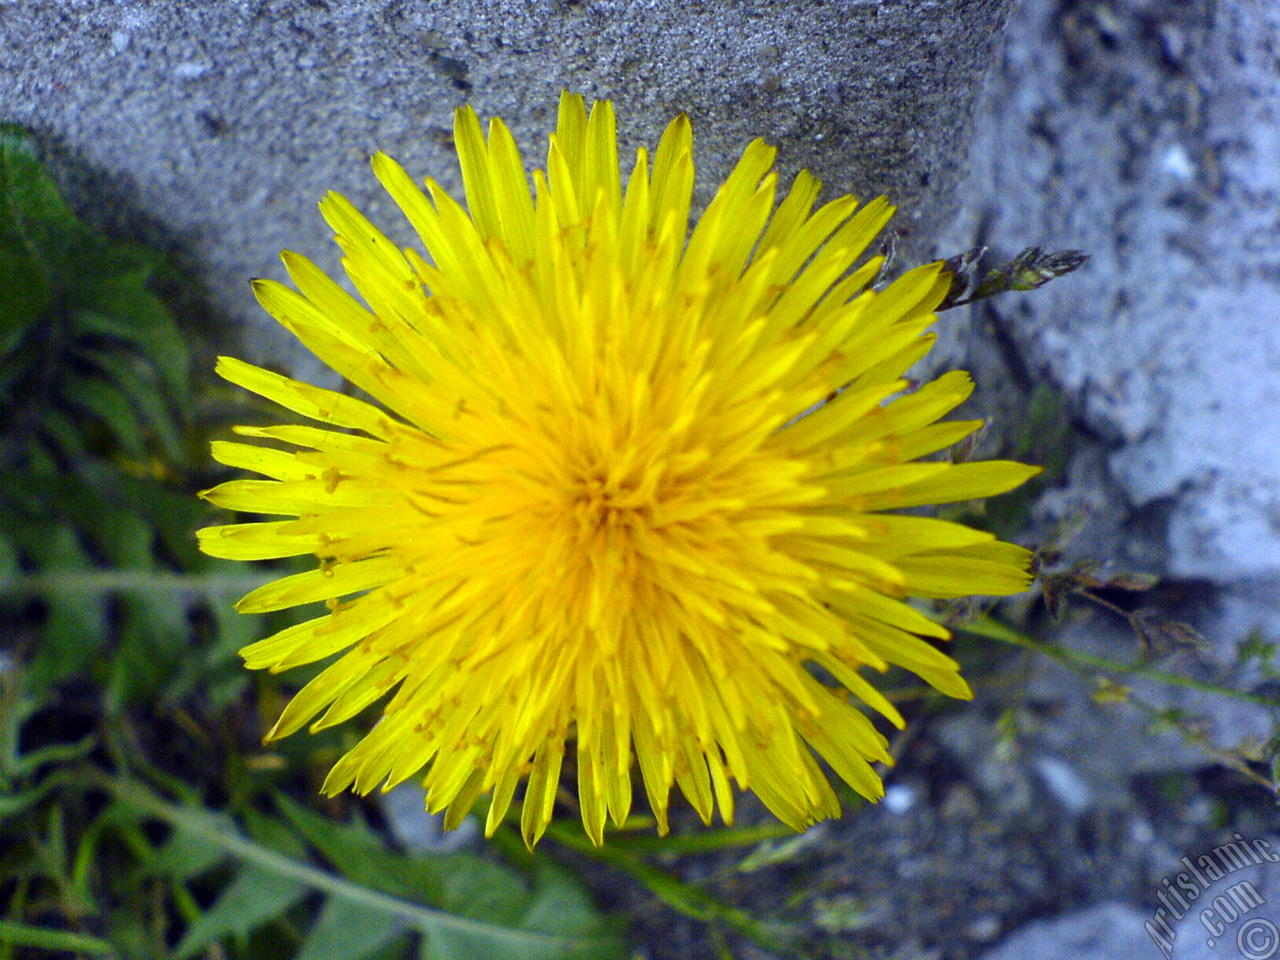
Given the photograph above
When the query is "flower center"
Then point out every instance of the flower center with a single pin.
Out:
(603, 499)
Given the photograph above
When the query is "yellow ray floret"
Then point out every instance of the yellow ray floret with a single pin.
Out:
(627, 490)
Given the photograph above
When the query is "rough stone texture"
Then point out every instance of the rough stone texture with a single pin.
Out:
(1108, 931)
(1234, 918)
(1145, 134)
(1148, 134)
(226, 122)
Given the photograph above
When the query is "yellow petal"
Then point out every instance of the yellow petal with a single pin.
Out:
(314, 402)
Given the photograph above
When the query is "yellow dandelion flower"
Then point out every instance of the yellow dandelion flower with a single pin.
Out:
(597, 505)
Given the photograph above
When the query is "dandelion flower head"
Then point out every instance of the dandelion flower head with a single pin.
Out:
(624, 488)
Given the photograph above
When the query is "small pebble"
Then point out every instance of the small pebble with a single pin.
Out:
(899, 798)
(961, 803)
(405, 808)
(189, 70)
(1178, 164)
(984, 928)
(1142, 832)
(1067, 786)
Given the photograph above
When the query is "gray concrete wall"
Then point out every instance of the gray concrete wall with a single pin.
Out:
(223, 123)
(1148, 133)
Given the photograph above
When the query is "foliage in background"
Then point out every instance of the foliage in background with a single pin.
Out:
(94, 374)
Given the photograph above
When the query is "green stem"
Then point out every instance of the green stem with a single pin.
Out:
(679, 896)
(421, 918)
(985, 626)
(701, 842)
(109, 581)
(42, 938)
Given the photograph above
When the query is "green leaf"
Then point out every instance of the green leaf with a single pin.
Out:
(511, 918)
(9, 563)
(256, 896)
(122, 307)
(185, 855)
(132, 376)
(458, 882)
(12, 804)
(75, 625)
(277, 850)
(64, 433)
(361, 856)
(80, 330)
(172, 514)
(683, 897)
(31, 761)
(102, 401)
(108, 517)
(43, 938)
(350, 931)
(152, 641)
(559, 901)
(27, 197)
(123, 537)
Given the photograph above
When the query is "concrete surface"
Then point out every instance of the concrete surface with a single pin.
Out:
(1148, 134)
(1108, 931)
(225, 122)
